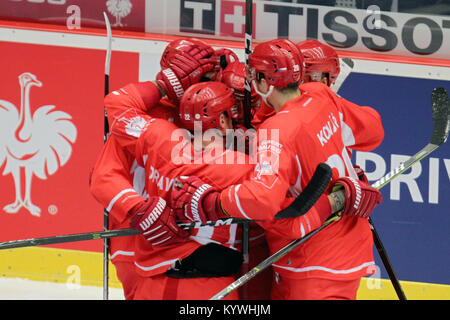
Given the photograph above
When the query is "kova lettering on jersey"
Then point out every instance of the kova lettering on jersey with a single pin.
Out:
(196, 198)
(330, 128)
(154, 215)
(174, 82)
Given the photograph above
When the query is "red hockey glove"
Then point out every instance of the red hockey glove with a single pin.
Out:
(156, 222)
(225, 57)
(201, 52)
(183, 72)
(195, 200)
(360, 197)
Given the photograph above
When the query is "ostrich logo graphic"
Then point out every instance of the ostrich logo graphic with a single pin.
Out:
(119, 9)
(33, 144)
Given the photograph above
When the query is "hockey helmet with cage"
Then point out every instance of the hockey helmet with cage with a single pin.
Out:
(204, 102)
(279, 60)
(319, 58)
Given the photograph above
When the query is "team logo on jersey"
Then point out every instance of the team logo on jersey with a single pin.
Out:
(130, 124)
(119, 9)
(268, 157)
(32, 145)
(135, 126)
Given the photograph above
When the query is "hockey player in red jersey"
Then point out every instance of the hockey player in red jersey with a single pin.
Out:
(117, 180)
(309, 127)
(321, 62)
(111, 186)
(161, 276)
(322, 65)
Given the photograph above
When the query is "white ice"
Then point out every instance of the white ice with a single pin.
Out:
(23, 289)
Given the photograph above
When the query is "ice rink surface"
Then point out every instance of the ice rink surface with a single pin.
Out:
(22, 289)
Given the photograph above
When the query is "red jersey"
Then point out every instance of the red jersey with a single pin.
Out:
(262, 114)
(129, 112)
(316, 127)
(117, 180)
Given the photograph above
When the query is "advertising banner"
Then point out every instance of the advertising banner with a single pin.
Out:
(362, 30)
(51, 132)
(370, 31)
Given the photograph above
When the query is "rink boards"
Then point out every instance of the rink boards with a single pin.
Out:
(412, 220)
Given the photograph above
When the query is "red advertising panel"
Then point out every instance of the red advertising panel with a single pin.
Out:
(51, 132)
(232, 19)
(76, 14)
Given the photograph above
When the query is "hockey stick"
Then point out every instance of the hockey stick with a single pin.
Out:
(106, 131)
(289, 212)
(441, 123)
(107, 67)
(248, 51)
(346, 65)
(247, 123)
(109, 234)
(270, 260)
(312, 192)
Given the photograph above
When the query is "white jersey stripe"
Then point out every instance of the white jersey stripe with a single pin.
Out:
(311, 268)
(156, 266)
(117, 197)
(238, 203)
(122, 253)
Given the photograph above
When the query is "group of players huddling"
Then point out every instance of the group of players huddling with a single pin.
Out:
(168, 159)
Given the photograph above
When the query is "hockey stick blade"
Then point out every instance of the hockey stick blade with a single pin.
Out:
(312, 192)
(440, 105)
(349, 62)
(441, 124)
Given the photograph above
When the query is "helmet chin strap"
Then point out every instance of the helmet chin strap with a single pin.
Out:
(264, 96)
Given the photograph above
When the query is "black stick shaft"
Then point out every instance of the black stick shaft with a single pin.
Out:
(320, 179)
(247, 124)
(248, 51)
(387, 263)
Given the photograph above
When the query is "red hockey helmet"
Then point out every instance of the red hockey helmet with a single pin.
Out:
(279, 60)
(179, 46)
(319, 58)
(234, 77)
(205, 101)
